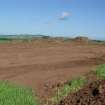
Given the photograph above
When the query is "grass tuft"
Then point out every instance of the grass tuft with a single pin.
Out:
(73, 86)
(14, 95)
(100, 71)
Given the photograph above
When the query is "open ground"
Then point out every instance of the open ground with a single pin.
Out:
(41, 64)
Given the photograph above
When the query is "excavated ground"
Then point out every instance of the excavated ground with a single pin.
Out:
(93, 94)
(41, 64)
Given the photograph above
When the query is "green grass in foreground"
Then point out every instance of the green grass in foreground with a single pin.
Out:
(100, 71)
(14, 95)
(73, 86)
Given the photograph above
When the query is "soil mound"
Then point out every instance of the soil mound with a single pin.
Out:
(81, 39)
(93, 94)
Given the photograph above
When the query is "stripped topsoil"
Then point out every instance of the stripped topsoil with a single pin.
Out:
(92, 94)
(43, 64)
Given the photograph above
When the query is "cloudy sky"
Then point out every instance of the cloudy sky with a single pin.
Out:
(53, 17)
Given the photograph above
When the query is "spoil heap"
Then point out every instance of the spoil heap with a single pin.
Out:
(93, 94)
(81, 40)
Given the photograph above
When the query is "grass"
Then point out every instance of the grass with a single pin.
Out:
(73, 86)
(3, 40)
(99, 41)
(100, 71)
(14, 95)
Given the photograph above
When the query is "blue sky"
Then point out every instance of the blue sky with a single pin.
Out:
(53, 17)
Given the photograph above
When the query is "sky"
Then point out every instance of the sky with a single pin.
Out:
(53, 17)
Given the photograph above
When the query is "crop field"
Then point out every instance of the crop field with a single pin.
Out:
(45, 70)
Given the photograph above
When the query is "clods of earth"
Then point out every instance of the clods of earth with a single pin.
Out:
(92, 94)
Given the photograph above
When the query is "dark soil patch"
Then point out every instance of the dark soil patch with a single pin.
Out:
(92, 94)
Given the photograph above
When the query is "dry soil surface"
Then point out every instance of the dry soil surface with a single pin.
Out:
(39, 64)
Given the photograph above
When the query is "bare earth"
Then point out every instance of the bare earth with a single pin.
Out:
(39, 64)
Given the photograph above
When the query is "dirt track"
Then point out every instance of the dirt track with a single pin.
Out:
(38, 65)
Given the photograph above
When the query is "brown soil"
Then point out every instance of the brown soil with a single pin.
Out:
(80, 39)
(93, 94)
(41, 64)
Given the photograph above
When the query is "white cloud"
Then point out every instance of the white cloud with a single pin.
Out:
(64, 15)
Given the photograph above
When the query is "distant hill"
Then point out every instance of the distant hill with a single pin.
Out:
(23, 36)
